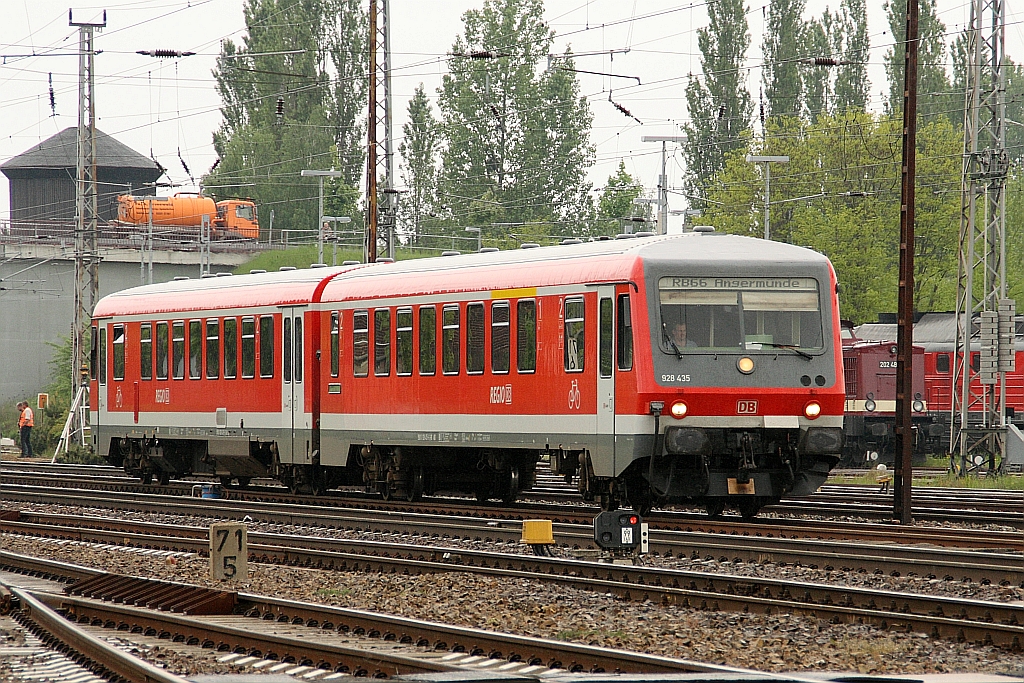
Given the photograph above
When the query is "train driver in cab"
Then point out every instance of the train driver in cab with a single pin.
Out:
(677, 333)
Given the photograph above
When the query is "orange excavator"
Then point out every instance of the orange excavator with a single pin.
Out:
(229, 219)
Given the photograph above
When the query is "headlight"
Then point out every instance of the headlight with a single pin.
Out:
(678, 410)
(745, 365)
(812, 410)
(869, 405)
(917, 405)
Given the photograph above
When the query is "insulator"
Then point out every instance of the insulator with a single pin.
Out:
(280, 109)
(721, 112)
(53, 100)
(165, 53)
(825, 61)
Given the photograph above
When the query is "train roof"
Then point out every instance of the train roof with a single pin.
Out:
(616, 260)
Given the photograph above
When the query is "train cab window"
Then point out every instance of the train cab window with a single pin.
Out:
(526, 335)
(624, 335)
(195, 349)
(450, 340)
(403, 341)
(287, 352)
(267, 342)
(248, 348)
(739, 314)
(575, 335)
(500, 342)
(93, 352)
(428, 340)
(161, 350)
(382, 342)
(298, 347)
(335, 346)
(212, 348)
(178, 350)
(146, 351)
(103, 355)
(360, 343)
(975, 359)
(474, 339)
(230, 348)
(117, 340)
(605, 330)
(942, 362)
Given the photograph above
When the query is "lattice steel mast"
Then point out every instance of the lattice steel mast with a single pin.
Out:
(380, 154)
(981, 282)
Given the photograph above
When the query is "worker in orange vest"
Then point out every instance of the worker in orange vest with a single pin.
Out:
(25, 423)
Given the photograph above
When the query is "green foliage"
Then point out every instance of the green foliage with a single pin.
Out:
(840, 35)
(844, 175)
(515, 139)
(419, 166)
(934, 94)
(616, 201)
(783, 44)
(322, 92)
(720, 107)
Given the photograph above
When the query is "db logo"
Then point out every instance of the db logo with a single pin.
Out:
(746, 407)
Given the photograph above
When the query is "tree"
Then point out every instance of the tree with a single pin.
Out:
(783, 86)
(719, 107)
(934, 94)
(515, 142)
(419, 164)
(818, 36)
(616, 201)
(850, 41)
(292, 93)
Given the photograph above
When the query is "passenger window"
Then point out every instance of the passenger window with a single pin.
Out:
(195, 349)
(428, 340)
(625, 334)
(230, 348)
(604, 333)
(146, 351)
(161, 350)
(403, 341)
(382, 342)
(178, 349)
(287, 352)
(499, 337)
(248, 348)
(450, 340)
(942, 362)
(474, 339)
(526, 335)
(975, 361)
(335, 347)
(103, 355)
(94, 353)
(212, 348)
(118, 342)
(575, 335)
(298, 348)
(360, 344)
(267, 346)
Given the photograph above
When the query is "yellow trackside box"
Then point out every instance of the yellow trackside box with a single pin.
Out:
(537, 532)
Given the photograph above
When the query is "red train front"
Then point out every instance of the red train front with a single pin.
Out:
(702, 367)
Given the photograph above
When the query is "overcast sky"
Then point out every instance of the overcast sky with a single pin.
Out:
(169, 106)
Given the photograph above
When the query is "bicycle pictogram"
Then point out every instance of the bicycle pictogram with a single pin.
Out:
(574, 396)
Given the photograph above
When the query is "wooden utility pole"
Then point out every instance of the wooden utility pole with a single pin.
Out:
(905, 306)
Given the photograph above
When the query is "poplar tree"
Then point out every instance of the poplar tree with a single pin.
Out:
(419, 165)
(934, 93)
(850, 42)
(718, 102)
(783, 85)
(293, 94)
(616, 201)
(515, 144)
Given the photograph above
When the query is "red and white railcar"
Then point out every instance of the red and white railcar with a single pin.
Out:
(701, 367)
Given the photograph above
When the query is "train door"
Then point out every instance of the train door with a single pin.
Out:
(101, 402)
(293, 447)
(605, 372)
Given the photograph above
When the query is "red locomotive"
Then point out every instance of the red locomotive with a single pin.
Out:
(694, 368)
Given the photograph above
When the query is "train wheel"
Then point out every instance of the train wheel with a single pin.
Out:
(415, 491)
(749, 508)
(145, 477)
(638, 494)
(511, 486)
(385, 490)
(225, 482)
(714, 507)
(243, 482)
(164, 478)
(481, 495)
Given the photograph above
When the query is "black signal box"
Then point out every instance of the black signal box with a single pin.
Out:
(618, 530)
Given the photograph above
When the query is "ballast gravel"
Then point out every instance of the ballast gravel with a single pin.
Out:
(536, 608)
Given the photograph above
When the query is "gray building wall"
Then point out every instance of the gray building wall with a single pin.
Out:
(37, 293)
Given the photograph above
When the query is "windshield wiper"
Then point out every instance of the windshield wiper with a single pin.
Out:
(679, 354)
(791, 347)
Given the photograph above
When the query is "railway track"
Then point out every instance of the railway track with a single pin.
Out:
(272, 635)
(950, 617)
